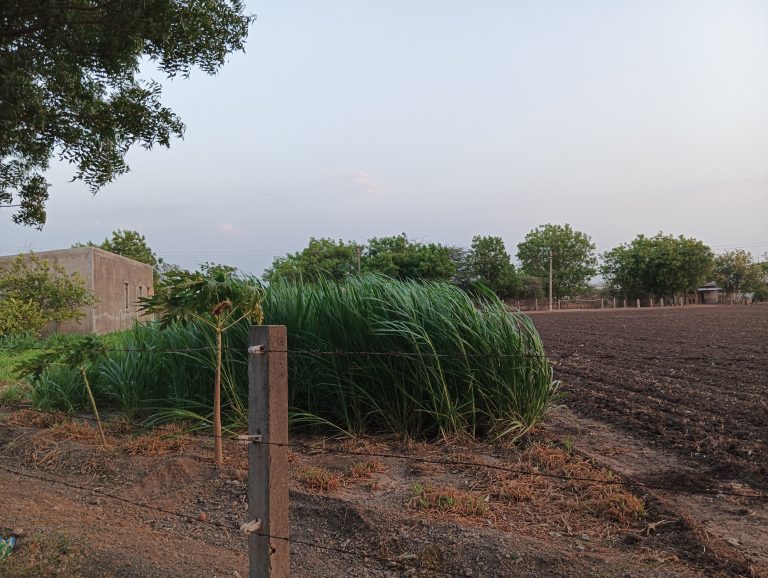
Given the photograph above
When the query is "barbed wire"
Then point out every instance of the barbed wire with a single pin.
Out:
(443, 462)
(577, 353)
(224, 526)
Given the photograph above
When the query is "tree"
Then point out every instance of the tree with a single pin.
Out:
(127, 243)
(395, 256)
(573, 258)
(489, 263)
(72, 85)
(658, 266)
(323, 258)
(46, 292)
(735, 271)
(219, 300)
(399, 257)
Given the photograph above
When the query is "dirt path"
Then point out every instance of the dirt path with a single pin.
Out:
(734, 530)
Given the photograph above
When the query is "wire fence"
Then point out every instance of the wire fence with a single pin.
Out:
(408, 354)
(321, 447)
(695, 488)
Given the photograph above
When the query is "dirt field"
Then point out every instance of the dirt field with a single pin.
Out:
(689, 379)
(677, 397)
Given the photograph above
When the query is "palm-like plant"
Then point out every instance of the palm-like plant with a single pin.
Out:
(219, 299)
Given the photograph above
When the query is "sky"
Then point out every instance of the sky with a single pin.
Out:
(445, 120)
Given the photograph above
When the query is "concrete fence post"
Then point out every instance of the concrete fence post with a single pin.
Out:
(268, 547)
(638, 303)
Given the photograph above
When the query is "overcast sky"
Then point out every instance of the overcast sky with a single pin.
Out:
(442, 119)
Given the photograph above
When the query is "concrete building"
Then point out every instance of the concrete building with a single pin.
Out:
(709, 294)
(116, 282)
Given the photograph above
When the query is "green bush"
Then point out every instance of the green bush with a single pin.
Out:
(369, 355)
(33, 293)
(20, 317)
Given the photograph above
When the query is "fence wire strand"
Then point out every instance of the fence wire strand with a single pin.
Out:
(443, 462)
(225, 526)
(576, 353)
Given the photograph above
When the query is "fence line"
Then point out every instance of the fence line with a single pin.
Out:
(444, 462)
(224, 526)
(413, 355)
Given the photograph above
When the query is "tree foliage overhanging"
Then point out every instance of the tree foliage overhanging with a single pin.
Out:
(72, 86)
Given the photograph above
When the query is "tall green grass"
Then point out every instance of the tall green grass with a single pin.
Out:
(367, 355)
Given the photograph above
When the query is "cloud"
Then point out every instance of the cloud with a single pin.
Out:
(228, 229)
(363, 184)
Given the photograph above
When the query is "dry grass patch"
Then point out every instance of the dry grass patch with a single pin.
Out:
(32, 418)
(547, 457)
(161, 441)
(316, 478)
(79, 431)
(363, 470)
(447, 500)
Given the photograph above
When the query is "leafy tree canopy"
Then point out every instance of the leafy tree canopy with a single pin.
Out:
(659, 266)
(72, 88)
(401, 258)
(43, 292)
(133, 245)
(395, 256)
(735, 271)
(322, 258)
(573, 258)
(488, 262)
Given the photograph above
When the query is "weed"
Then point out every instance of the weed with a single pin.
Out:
(316, 478)
(449, 500)
(43, 555)
(363, 470)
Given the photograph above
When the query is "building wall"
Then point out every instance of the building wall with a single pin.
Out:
(111, 278)
(118, 283)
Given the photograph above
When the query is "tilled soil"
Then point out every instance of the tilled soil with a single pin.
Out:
(692, 380)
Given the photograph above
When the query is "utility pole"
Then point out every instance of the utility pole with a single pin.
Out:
(359, 251)
(550, 279)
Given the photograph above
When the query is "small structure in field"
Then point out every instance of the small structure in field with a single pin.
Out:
(709, 294)
(116, 282)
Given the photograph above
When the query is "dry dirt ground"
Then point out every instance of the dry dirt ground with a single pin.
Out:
(152, 504)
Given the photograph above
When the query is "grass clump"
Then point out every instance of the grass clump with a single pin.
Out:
(449, 500)
(423, 359)
(367, 355)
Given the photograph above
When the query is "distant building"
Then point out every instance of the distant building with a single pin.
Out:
(709, 294)
(116, 282)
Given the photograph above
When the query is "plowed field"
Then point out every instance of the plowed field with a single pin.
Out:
(689, 379)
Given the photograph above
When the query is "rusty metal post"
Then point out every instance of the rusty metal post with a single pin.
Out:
(268, 547)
